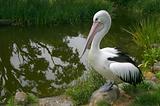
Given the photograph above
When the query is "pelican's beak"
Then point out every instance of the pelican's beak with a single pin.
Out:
(96, 27)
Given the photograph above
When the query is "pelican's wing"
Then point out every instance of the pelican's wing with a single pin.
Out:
(110, 50)
(123, 66)
(127, 72)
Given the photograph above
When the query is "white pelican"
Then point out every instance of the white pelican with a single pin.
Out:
(111, 63)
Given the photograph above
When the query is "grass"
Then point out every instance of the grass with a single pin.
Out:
(123, 3)
(146, 34)
(147, 99)
(50, 12)
(82, 92)
(102, 103)
(145, 94)
(139, 89)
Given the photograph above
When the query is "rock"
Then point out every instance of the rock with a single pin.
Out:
(156, 45)
(20, 98)
(55, 101)
(156, 66)
(149, 75)
(154, 79)
(109, 96)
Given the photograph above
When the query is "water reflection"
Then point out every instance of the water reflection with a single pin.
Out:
(77, 43)
(42, 62)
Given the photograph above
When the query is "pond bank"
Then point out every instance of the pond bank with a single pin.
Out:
(23, 99)
(128, 97)
(55, 101)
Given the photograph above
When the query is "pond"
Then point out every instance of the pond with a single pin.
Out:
(45, 61)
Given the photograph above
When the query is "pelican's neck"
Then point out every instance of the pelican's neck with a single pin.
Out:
(95, 46)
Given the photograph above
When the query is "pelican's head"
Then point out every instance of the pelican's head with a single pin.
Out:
(101, 25)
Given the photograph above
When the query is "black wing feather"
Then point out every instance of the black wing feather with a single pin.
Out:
(122, 57)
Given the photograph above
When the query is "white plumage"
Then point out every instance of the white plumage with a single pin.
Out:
(111, 63)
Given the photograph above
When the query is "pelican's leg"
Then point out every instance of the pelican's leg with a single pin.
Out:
(109, 82)
(107, 86)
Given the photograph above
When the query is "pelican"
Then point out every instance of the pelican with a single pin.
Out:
(111, 63)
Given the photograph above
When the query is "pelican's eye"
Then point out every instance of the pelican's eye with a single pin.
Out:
(96, 19)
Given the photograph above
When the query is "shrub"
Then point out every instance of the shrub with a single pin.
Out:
(147, 99)
(82, 92)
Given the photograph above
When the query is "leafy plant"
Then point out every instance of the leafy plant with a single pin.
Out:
(10, 102)
(151, 56)
(102, 103)
(82, 92)
(158, 75)
(32, 98)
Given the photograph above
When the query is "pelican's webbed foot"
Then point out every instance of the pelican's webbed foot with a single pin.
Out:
(107, 86)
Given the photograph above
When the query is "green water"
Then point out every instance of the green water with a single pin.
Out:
(44, 61)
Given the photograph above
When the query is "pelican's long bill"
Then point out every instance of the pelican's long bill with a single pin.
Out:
(96, 27)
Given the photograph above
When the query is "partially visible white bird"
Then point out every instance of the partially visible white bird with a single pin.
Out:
(111, 63)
